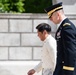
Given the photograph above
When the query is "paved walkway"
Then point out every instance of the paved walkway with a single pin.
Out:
(17, 67)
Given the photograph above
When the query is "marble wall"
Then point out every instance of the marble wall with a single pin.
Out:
(20, 47)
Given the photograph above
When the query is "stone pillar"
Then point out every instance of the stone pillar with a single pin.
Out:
(68, 5)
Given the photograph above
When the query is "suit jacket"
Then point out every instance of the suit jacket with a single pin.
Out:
(48, 59)
(66, 49)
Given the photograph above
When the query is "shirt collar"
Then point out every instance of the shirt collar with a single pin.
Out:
(47, 38)
(61, 21)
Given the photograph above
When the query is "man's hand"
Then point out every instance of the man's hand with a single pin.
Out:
(31, 72)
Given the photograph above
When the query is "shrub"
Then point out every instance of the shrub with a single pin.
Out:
(9, 6)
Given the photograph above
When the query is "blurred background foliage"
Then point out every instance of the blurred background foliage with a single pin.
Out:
(24, 6)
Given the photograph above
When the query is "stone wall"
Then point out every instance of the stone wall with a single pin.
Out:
(18, 37)
(19, 42)
(69, 6)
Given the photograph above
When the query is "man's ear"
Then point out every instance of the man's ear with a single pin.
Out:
(44, 32)
(58, 13)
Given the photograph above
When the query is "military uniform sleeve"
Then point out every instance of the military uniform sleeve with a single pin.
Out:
(69, 49)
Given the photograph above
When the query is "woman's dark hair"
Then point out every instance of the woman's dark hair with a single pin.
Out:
(44, 26)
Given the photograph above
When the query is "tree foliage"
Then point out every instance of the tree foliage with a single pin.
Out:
(11, 6)
(36, 6)
(24, 6)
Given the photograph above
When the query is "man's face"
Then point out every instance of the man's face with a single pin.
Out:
(54, 18)
(41, 36)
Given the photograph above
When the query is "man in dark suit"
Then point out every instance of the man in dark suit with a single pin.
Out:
(66, 41)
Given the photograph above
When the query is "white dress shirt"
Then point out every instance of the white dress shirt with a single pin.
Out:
(49, 54)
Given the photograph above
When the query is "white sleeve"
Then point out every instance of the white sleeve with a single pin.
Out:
(38, 67)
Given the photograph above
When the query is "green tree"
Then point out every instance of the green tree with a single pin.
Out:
(36, 6)
(24, 6)
(11, 6)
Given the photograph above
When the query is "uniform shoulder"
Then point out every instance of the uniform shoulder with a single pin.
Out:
(66, 24)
